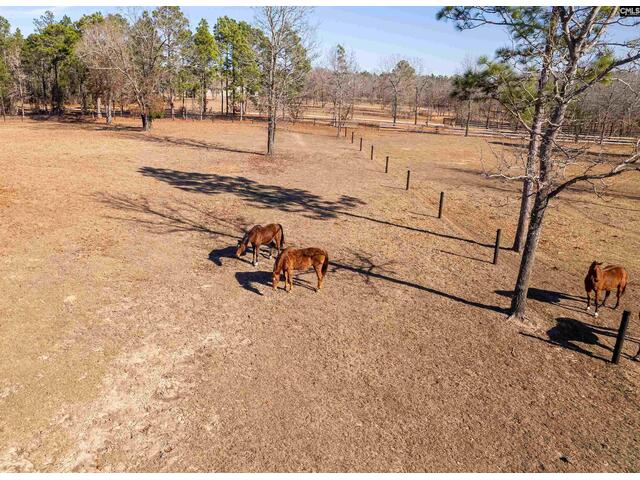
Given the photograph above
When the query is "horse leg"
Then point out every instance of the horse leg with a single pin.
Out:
(256, 249)
(618, 295)
(290, 278)
(588, 300)
(606, 295)
(318, 269)
(596, 302)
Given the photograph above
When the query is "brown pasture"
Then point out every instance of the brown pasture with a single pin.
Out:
(131, 337)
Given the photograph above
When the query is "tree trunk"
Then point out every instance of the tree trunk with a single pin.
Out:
(22, 103)
(221, 97)
(146, 121)
(44, 91)
(519, 299)
(54, 90)
(83, 94)
(271, 132)
(395, 108)
(204, 101)
(534, 144)
(4, 115)
(108, 110)
(226, 89)
(518, 304)
(171, 104)
(466, 130)
(98, 108)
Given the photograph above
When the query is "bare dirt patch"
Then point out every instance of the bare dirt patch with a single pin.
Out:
(132, 339)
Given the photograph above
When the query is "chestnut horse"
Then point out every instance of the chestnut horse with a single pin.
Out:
(300, 259)
(607, 278)
(259, 235)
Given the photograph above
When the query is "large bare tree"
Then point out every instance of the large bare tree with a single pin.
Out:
(284, 45)
(132, 49)
(342, 66)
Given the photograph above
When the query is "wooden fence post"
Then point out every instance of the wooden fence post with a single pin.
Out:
(441, 207)
(408, 178)
(352, 136)
(371, 152)
(360, 143)
(615, 358)
(496, 250)
(386, 165)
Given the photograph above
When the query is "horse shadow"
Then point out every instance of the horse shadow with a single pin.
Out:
(250, 280)
(216, 255)
(301, 282)
(569, 332)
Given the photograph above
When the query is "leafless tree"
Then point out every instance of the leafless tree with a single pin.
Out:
(342, 65)
(18, 75)
(132, 50)
(282, 58)
(419, 83)
(399, 75)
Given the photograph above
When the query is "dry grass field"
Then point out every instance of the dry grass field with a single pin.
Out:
(132, 339)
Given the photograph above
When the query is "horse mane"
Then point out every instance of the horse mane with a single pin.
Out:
(245, 238)
(282, 237)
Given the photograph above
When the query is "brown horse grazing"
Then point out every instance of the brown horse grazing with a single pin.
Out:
(300, 259)
(259, 235)
(607, 278)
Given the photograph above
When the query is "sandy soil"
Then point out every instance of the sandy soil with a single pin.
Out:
(132, 340)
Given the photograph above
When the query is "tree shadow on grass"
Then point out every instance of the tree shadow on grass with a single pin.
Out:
(259, 195)
(366, 269)
(291, 200)
(190, 143)
(167, 218)
(562, 300)
(481, 260)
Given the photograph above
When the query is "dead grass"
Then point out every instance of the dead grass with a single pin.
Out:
(134, 341)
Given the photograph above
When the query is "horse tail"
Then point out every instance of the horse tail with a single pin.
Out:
(325, 264)
(281, 236)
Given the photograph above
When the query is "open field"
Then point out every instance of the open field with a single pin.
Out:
(132, 339)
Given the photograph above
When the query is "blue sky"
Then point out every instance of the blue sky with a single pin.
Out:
(371, 32)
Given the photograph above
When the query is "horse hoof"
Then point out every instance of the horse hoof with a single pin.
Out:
(588, 309)
(596, 314)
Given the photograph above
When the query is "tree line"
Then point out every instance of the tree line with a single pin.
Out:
(151, 58)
